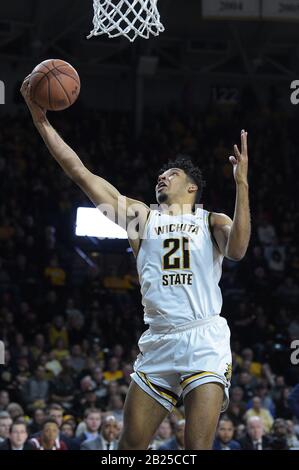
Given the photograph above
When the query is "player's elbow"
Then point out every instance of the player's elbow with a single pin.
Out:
(235, 255)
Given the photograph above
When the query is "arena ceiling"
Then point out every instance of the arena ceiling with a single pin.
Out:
(31, 30)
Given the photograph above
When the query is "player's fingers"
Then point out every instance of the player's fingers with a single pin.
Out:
(237, 152)
(233, 160)
(25, 85)
(243, 141)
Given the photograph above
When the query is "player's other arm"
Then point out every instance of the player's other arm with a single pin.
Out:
(118, 208)
(232, 236)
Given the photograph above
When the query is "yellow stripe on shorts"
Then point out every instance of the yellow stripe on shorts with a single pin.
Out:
(156, 389)
(200, 375)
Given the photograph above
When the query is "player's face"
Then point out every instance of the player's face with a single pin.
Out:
(171, 184)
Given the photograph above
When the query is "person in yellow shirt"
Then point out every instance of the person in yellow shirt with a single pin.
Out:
(60, 352)
(54, 273)
(58, 330)
(255, 368)
(262, 413)
(113, 372)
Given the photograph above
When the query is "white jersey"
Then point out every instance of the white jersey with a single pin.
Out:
(179, 269)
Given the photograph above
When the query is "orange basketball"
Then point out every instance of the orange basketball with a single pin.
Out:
(55, 84)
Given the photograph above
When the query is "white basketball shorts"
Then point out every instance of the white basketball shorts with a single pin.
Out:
(173, 363)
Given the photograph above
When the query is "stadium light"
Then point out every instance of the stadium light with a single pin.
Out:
(90, 222)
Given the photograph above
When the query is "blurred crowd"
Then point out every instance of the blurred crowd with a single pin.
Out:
(71, 316)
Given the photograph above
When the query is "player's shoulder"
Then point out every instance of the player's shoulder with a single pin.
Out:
(218, 218)
(135, 208)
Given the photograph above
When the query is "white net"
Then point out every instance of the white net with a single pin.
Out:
(129, 18)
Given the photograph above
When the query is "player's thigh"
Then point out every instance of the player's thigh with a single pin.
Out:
(202, 409)
(142, 416)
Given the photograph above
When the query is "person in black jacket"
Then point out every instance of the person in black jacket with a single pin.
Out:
(255, 438)
(17, 439)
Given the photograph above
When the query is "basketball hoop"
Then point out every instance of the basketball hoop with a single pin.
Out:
(129, 18)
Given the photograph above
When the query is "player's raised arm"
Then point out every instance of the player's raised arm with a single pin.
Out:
(99, 191)
(232, 236)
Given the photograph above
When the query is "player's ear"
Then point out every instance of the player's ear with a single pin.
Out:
(192, 188)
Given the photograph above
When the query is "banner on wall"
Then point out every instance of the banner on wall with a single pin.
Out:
(237, 9)
(280, 10)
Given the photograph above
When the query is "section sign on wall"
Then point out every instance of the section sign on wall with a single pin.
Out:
(238, 9)
(280, 10)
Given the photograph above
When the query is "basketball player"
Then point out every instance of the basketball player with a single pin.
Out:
(179, 250)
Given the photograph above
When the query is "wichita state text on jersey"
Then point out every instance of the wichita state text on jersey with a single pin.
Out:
(179, 269)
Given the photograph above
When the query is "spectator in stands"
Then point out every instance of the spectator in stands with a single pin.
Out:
(63, 386)
(36, 389)
(263, 413)
(15, 410)
(17, 439)
(224, 436)
(113, 371)
(67, 430)
(279, 435)
(237, 397)
(58, 331)
(107, 438)
(54, 273)
(38, 347)
(4, 400)
(262, 392)
(60, 351)
(55, 411)
(5, 423)
(77, 359)
(76, 328)
(125, 381)
(100, 385)
(278, 387)
(92, 420)
(177, 442)
(255, 438)
(247, 382)
(255, 367)
(38, 418)
(163, 434)
(115, 407)
(49, 437)
(292, 439)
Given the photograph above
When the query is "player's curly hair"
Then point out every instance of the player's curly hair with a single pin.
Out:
(184, 162)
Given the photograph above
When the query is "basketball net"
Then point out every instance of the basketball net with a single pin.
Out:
(129, 18)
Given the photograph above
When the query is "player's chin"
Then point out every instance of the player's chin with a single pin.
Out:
(162, 197)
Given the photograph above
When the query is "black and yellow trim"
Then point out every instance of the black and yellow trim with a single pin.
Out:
(200, 375)
(211, 231)
(162, 392)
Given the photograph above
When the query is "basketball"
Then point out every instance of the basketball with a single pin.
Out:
(55, 84)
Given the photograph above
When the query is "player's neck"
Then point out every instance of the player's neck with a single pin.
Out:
(177, 208)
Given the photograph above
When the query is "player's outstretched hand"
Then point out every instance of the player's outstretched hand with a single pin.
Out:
(240, 160)
(38, 113)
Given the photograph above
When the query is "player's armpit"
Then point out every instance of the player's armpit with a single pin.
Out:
(220, 227)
